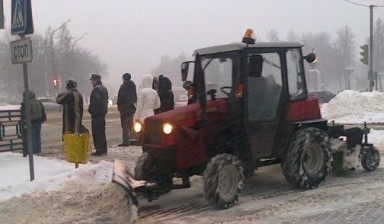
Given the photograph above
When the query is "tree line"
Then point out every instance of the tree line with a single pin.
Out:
(338, 63)
(55, 57)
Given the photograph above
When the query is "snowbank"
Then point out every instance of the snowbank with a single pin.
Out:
(352, 106)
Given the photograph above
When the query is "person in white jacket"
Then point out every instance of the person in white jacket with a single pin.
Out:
(147, 100)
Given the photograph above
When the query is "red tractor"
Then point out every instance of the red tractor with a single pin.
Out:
(248, 107)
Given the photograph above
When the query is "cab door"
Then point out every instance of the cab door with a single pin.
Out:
(263, 91)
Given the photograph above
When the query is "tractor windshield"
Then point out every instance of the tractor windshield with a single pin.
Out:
(218, 74)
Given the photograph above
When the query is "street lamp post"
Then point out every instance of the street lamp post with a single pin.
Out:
(52, 51)
(73, 55)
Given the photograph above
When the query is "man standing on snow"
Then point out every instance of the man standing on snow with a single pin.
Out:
(126, 100)
(38, 117)
(72, 102)
(98, 108)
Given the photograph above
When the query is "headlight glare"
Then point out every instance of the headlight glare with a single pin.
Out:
(137, 126)
(167, 128)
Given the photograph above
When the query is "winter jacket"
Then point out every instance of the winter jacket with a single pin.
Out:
(98, 105)
(148, 100)
(72, 102)
(165, 94)
(127, 97)
(36, 109)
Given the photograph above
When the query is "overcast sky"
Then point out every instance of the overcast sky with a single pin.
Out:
(132, 35)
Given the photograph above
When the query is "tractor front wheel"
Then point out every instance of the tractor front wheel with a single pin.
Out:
(308, 159)
(223, 180)
(370, 159)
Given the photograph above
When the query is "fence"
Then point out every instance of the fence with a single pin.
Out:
(10, 130)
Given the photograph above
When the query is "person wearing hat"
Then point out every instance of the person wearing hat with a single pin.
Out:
(163, 86)
(72, 102)
(38, 116)
(126, 100)
(98, 108)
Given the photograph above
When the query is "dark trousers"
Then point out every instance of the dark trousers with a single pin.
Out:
(126, 124)
(98, 133)
(36, 137)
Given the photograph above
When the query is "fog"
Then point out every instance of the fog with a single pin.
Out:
(132, 35)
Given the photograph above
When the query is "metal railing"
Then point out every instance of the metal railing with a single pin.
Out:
(11, 129)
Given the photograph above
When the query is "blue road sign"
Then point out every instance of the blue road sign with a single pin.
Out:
(21, 20)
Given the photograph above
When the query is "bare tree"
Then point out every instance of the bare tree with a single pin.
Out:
(40, 69)
(292, 36)
(344, 46)
(273, 36)
(321, 44)
(170, 67)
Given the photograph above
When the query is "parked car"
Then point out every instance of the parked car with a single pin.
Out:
(50, 103)
(322, 96)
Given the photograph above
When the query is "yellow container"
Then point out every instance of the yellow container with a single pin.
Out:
(77, 147)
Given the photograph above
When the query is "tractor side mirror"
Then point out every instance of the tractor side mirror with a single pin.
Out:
(311, 58)
(255, 66)
(184, 70)
(187, 84)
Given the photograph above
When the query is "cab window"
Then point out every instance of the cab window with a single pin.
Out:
(295, 75)
(264, 91)
(218, 73)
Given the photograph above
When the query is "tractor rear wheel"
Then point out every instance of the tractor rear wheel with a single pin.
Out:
(308, 160)
(370, 159)
(223, 180)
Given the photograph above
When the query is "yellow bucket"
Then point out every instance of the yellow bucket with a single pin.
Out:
(77, 147)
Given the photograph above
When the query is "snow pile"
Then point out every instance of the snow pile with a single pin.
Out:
(352, 106)
(50, 174)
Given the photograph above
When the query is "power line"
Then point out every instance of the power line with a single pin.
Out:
(355, 3)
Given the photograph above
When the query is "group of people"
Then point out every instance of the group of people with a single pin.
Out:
(155, 96)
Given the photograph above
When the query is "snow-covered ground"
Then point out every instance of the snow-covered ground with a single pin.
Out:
(59, 186)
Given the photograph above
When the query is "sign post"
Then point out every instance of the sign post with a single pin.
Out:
(1, 14)
(21, 52)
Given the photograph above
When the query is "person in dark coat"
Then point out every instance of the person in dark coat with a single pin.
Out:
(38, 116)
(72, 102)
(164, 88)
(98, 108)
(126, 100)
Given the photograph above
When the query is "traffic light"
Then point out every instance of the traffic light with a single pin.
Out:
(56, 83)
(364, 53)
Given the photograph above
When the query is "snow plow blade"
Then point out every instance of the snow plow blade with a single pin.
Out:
(124, 178)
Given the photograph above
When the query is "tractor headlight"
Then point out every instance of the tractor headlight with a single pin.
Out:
(167, 128)
(137, 126)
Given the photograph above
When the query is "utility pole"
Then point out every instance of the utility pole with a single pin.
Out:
(73, 67)
(370, 72)
(53, 66)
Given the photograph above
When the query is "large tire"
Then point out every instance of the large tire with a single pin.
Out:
(370, 159)
(223, 180)
(308, 159)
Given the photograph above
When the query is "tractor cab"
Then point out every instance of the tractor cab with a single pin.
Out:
(260, 85)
